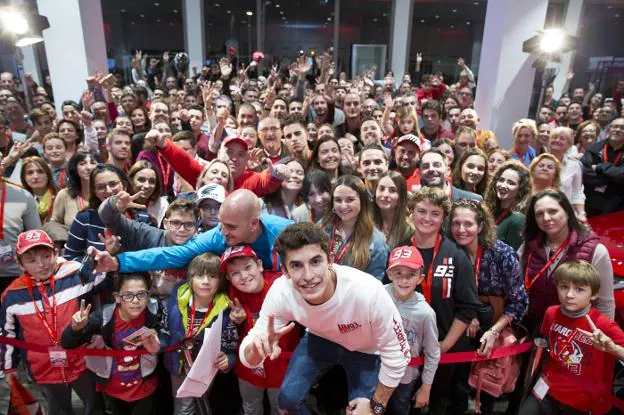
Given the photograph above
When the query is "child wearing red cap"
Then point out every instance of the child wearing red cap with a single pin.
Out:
(248, 288)
(405, 270)
(36, 308)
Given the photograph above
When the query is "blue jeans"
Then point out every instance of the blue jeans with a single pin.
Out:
(312, 358)
(400, 402)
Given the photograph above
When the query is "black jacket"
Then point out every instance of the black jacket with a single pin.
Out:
(604, 186)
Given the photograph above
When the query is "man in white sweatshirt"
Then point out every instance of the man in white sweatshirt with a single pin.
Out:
(350, 319)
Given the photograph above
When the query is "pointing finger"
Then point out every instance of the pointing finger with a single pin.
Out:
(82, 306)
(237, 303)
(87, 310)
(591, 323)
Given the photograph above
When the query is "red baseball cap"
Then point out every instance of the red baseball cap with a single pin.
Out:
(236, 252)
(30, 239)
(407, 256)
(236, 139)
(409, 138)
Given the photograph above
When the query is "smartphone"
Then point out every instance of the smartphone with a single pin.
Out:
(86, 266)
(108, 81)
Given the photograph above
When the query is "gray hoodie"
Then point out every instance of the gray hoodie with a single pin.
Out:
(419, 322)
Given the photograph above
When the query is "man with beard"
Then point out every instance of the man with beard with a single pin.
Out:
(353, 114)
(561, 114)
(118, 147)
(545, 115)
(369, 107)
(434, 172)
(371, 133)
(373, 165)
(406, 156)
(240, 223)
(247, 116)
(296, 138)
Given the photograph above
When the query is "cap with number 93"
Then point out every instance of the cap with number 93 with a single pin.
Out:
(407, 256)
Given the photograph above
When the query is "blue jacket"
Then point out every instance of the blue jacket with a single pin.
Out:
(212, 241)
(175, 328)
(378, 250)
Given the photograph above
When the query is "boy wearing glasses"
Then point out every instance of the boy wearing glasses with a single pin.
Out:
(132, 322)
(180, 223)
(36, 308)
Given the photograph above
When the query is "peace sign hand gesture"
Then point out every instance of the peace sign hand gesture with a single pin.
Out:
(81, 317)
(237, 312)
(124, 201)
(599, 340)
(266, 345)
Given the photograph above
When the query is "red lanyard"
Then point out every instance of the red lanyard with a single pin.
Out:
(2, 202)
(428, 282)
(605, 157)
(564, 344)
(521, 156)
(165, 172)
(52, 331)
(478, 264)
(343, 249)
(62, 179)
(545, 268)
(81, 202)
(503, 215)
(275, 261)
(189, 331)
(312, 214)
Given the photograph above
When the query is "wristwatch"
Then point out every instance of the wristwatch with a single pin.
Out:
(376, 407)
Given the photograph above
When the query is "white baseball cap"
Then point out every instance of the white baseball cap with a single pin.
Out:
(212, 191)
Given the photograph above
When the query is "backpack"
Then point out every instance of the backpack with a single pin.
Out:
(498, 376)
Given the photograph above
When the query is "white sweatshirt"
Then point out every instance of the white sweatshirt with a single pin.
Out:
(360, 316)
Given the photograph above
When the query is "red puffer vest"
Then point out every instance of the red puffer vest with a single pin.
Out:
(543, 292)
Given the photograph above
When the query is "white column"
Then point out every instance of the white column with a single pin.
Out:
(505, 73)
(400, 35)
(194, 33)
(574, 12)
(75, 45)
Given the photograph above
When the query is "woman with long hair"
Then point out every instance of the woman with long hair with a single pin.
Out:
(450, 290)
(146, 181)
(316, 192)
(545, 172)
(506, 197)
(284, 201)
(498, 275)
(496, 158)
(326, 157)
(140, 120)
(471, 171)
(390, 209)
(37, 179)
(216, 171)
(553, 235)
(524, 133)
(571, 173)
(87, 228)
(354, 239)
(447, 148)
(72, 134)
(75, 197)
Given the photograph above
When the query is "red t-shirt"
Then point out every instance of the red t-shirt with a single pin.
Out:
(579, 375)
(125, 382)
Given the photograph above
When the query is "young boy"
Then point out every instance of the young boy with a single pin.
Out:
(248, 288)
(132, 322)
(405, 270)
(36, 308)
(578, 374)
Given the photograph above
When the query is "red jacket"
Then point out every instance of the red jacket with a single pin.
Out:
(19, 319)
(189, 169)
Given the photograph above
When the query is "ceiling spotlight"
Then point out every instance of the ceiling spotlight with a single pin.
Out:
(249, 13)
(156, 4)
(277, 5)
(14, 22)
(468, 23)
(228, 11)
(454, 10)
(281, 11)
(175, 10)
(157, 20)
(375, 19)
(142, 15)
(422, 20)
(552, 40)
(452, 26)
(437, 16)
(329, 19)
(548, 45)
(217, 5)
(123, 10)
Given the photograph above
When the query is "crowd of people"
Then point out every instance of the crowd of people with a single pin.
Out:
(325, 222)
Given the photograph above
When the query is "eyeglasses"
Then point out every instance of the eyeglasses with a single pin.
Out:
(176, 224)
(129, 297)
(265, 130)
(102, 187)
(616, 127)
